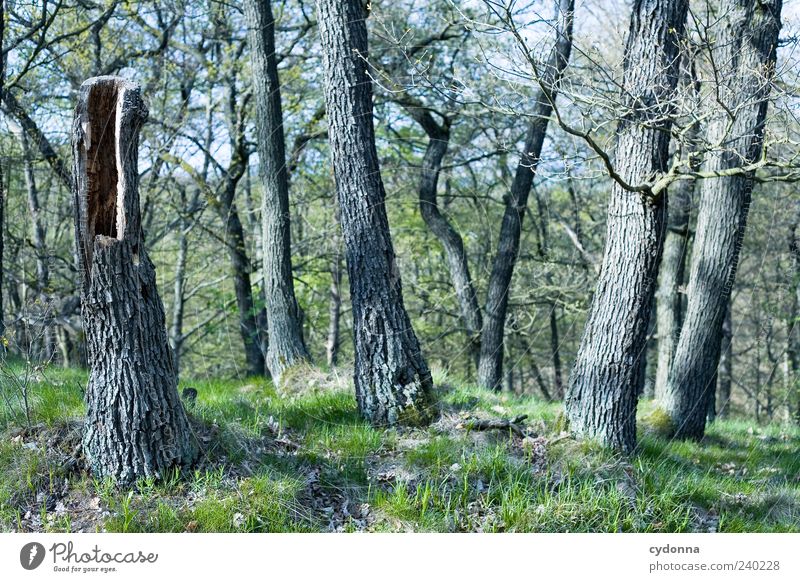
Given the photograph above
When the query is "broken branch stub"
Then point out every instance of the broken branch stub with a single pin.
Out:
(135, 423)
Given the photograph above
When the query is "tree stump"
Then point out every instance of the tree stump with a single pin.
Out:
(135, 423)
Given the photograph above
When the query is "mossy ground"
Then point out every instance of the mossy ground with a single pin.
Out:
(303, 460)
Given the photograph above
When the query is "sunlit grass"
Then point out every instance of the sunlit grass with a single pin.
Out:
(269, 445)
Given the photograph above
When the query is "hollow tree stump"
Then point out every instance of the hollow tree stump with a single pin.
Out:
(135, 423)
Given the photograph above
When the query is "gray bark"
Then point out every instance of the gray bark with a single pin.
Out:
(455, 253)
(334, 309)
(286, 347)
(725, 373)
(745, 54)
(392, 380)
(490, 366)
(607, 374)
(135, 424)
(669, 301)
(38, 231)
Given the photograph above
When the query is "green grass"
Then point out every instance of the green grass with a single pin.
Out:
(304, 461)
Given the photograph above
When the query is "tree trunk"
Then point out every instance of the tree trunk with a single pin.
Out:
(2, 188)
(240, 270)
(552, 306)
(725, 373)
(179, 295)
(607, 374)
(392, 380)
(669, 302)
(286, 347)
(135, 424)
(793, 325)
(745, 53)
(490, 367)
(39, 234)
(443, 230)
(334, 309)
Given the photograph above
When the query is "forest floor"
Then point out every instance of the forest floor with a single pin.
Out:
(303, 460)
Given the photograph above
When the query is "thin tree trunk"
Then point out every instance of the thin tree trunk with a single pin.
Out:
(607, 374)
(793, 325)
(135, 424)
(179, 297)
(286, 347)
(392, 380)
(725, 373)
(490, 367)
(38, 231)
(552, 306)
(2, 186)
(334, 308)
(745, 54)
(443, 230)
(240, 271)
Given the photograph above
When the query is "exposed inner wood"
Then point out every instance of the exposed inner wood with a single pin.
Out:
(101, 161)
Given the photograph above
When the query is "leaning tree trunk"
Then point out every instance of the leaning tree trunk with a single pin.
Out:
(458, 266)
(490, 364)
(607, 374)
(286, 347)
(745, 54)
(135, 424)
(392, 380)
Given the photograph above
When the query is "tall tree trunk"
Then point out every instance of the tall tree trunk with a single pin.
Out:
(607, 374)
(2, 185)
(135, 424)
(745, 53)
(392, 380)
(669, 302)
(286, 346)
(793, 325)
(240, 270)
(38, 231)
(725, 373)
(443, 230)
(490, 367)
(552, 306)
(334, 308)
(179, 294)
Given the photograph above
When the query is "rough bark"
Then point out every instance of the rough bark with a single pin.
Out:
(745, 54)
(669, 301)
(135, 424)
(392, 380)
(286, 345)
(490, 366)
(607, 374)
(458, 266)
